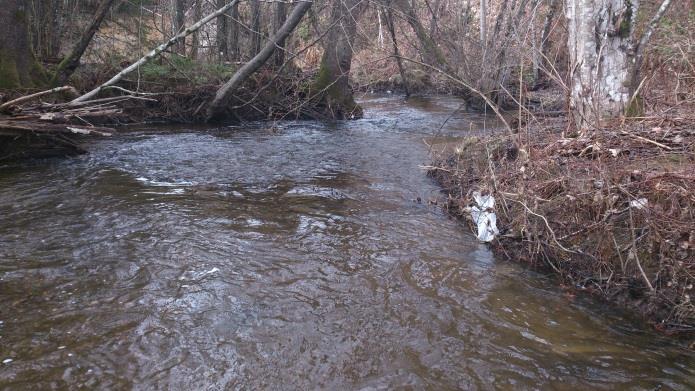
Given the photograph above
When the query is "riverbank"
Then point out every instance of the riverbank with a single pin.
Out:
(171, 93)
(611, 211)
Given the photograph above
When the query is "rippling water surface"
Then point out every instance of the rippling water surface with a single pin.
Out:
(291, 258)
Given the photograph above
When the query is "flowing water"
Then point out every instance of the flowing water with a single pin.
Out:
(291, 257)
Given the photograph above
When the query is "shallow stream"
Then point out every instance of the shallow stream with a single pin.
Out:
(293, 256)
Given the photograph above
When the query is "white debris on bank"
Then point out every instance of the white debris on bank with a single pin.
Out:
(639, 204)
(483, 215)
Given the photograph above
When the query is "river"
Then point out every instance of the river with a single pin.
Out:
(291, 256)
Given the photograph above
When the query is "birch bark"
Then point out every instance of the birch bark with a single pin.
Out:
(600, 43)
(606, 57)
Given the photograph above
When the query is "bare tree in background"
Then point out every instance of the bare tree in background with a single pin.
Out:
(233, 38)
(255, 27)
(279, 18)
(431, 52)
(47, 27)
(483, 22)
(332, 82)
(222, 35)
(178, 23)
(70, 63)
(198, 13)
(18, 66)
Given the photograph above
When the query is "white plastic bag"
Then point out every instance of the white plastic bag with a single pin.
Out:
(484, 216)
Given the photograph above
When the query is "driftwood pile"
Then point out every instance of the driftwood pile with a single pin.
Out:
(49, 129)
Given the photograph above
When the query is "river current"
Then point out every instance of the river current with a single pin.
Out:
(286, 256)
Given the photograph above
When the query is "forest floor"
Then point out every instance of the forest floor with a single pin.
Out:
(610, 211)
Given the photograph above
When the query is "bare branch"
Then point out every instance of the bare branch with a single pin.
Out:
(155, 52)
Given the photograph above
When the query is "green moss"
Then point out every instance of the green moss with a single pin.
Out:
(303, 31)
(323, 78)
(182, 68)
(9, 77)
(38, 74)
(625, 27)
(341, 103)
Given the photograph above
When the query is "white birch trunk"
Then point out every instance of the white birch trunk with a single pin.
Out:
(601, 50)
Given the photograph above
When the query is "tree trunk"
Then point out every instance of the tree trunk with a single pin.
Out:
(279, 20)
(233, 40)
(255, 27)
(56, 30)
(18, 66)
(600, 49)
(222, 35)
(218, 105)
(178, 22)
(68, 66)
(430, 50)
(483, 22)
(46, 27)
(605, 58)
(332, 83)
(553, 7)
(401, 69)
(196, 35)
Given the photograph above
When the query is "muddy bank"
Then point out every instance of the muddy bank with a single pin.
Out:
(611, 212)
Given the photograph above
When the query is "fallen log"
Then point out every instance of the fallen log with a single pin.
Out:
(47, 130)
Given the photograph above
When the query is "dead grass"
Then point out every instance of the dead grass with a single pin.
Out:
(611, 211)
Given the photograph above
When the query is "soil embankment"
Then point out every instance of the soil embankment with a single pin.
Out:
(610, 211)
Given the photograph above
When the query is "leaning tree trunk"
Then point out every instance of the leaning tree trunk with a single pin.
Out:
(396, 52)
(154, 53)
(332, 86)
(68, 66)
(18, 66)
(431, 52)
(218, 107)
